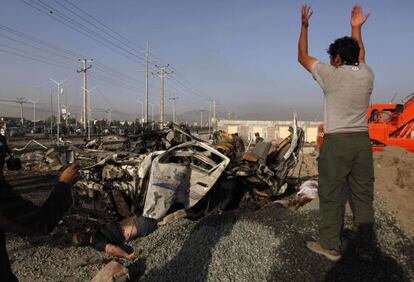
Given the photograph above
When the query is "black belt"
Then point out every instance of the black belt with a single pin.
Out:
(347, 134)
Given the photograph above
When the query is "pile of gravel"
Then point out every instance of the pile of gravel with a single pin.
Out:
(262, 245)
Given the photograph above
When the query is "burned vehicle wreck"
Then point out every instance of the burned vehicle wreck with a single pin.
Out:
(181, 177)
(196, 177)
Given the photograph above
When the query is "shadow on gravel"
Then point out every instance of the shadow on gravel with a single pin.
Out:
(377, 267)
(296, 263)
(184, 266)
(290, 261)
(137, 269)
(353, 268)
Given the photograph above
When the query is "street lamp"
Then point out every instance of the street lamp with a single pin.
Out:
(152, 111)
(209, 119)
(34, 112)
(142, 109)
(59, 92)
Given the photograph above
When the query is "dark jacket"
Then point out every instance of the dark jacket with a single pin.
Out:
(4, 152)
(22, 216)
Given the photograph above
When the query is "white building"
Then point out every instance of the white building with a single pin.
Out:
(269, 130)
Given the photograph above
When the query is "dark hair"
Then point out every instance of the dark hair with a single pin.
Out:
(347, 48)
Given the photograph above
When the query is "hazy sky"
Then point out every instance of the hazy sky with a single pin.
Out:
(242, 53)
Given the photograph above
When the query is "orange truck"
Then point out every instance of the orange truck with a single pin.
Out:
(388, 125)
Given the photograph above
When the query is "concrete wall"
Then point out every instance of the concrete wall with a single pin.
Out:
(269, 130)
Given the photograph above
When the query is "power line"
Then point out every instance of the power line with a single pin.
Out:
(106, 100)
(32, 58)
(181, 84)
(49, 52)
(48, 61)
(56, 54)
(73, 24)
(106, 79)
(39, 41)
(94, 25)
(48, 46)
(107, 27)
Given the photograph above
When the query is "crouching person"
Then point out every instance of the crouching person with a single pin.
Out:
(111, 237)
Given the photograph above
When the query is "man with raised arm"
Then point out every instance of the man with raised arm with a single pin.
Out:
(345, 156)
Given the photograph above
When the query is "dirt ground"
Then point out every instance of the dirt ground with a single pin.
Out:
(394, 184)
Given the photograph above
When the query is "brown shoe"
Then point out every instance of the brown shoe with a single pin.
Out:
(317, 248)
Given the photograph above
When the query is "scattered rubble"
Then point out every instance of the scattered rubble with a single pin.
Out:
(218, 246)
(46, 161)
(189, 173)
(160, 171)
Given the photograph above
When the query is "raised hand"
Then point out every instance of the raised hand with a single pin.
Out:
(306, 14)
(357, 16)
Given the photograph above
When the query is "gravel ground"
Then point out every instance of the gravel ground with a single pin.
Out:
(243, 245)
(262, 245)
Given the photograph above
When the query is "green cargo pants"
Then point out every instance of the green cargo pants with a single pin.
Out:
(345, 159)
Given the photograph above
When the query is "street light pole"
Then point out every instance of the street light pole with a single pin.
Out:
(174, 99)
(58, 120)
(146, 83)
(109, 116)
(34, 112)
(152, 111)
(209, 118)
(59, 92)
(142, 109)
(201, 118)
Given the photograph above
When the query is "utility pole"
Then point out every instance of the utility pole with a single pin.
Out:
(201, 118)
(86, 114)
(109, 116)
(20, 101)
(174, 98)
(59, 92)
(85, 92)
(209, 119)
(162, 73)
(146, 84)
(214, 109)
(214, 115)
(142, 109)
(51, 112)
(34, 112)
